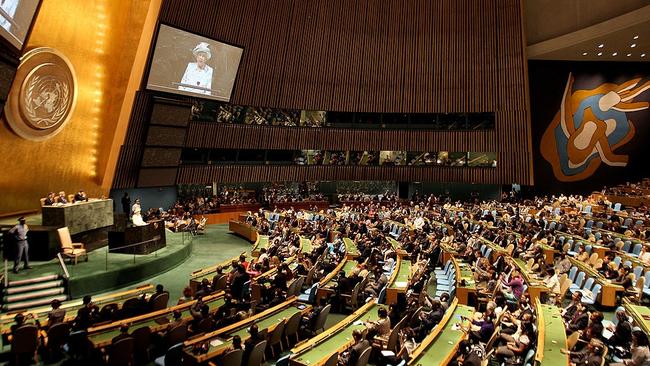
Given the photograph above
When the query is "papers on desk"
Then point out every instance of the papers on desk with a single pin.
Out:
(216, 342)
(387, 353)
(358, 322)
(401, 284)
(607, 334)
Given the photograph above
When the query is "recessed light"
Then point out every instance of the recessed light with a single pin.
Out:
(636, 37)
(600, 53)
(629, 54)
(633, 45)
(601, 45)
(615, 53)
(643, 55)
(584, 53)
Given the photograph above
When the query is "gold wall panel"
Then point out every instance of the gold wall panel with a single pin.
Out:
(101, 39)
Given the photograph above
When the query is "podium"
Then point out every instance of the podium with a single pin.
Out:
(80, 217)
(138, 239)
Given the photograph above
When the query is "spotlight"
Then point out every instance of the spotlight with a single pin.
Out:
(584, 53)
(601, 45)
(633, 45)
(615, 53)
(600, 53)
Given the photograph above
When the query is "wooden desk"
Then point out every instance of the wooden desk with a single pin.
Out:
(465, 285)
(71, 307)
(440, 346)
(243, 229)
(337, 338)
(101, 336)
(220, 340)
(398, 283)
(551, 336)
(641, 314)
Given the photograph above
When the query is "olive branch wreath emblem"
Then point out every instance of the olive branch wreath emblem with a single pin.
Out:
(60, 110)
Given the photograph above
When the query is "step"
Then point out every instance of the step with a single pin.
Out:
(34, 295)
(32, 303)
(37, 286)
(30, 281)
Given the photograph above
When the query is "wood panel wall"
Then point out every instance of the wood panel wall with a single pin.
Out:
(414, 56)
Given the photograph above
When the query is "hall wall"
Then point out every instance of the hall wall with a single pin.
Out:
(100, 37)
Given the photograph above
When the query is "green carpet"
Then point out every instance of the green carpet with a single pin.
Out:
(215, 246)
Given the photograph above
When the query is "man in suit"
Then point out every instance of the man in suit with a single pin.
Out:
(249, 344)
(19, 233)
(589, 356)
(62, 199)
(579, 320)
(49, 200)
(352, 355)
(124, 333)
(160, 291)
(80, 196)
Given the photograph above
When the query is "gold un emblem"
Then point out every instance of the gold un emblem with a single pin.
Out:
(42, 96)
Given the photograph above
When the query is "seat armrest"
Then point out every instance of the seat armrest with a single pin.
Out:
(78, 245)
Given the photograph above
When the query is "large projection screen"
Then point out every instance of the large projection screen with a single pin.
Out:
(15, 19)
(189, 64)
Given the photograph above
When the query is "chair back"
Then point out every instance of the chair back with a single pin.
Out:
(219, 282)
(310, 275)
(25, 339)
(292, 325)
(176, 335)
(592, 259)
(333, 360)
(580, 279)
(322, 318)
(638, 271)
(566, 247)
(160, 301)
(64, 237)
(529, 357)
(232, 358)
(573, 339)
(596, 290)
(141, 344)
(637, 249)
(57, 335)
(174, 355)
(257, 355)
(276, 335)
(364, 357)
(121, 352)
(391, 345)
(588, 284)
(572, 273)
(598, 264)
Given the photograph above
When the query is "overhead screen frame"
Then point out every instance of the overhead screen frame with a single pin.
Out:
(4, 34)
(183, 94)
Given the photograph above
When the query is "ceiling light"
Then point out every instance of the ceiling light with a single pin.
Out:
(643, 55)
(629, 54)
(636, 37)
(633, 45)
(584, 53)
(600, 53)
(601, 45)
(615, 53)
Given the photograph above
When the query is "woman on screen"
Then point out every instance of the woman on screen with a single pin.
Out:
(198, 73)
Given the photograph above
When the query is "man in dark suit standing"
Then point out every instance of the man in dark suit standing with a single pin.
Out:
(19, 233)
(126, 203)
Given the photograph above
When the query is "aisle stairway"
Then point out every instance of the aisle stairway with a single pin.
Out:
(33, 292)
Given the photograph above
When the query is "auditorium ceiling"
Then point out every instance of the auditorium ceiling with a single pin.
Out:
(588, 30)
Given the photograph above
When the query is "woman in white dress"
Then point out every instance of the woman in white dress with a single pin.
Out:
(198, 73)
(136, 216)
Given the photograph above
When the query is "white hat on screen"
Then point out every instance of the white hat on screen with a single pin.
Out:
(202, 47)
